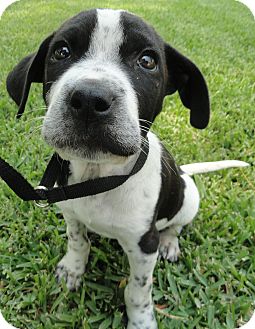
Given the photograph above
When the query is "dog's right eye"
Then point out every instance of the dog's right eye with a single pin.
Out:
(148, 62)
(61, 53)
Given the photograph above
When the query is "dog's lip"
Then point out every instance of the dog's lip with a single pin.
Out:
(100, 152)
(96, 157)
(114, 151)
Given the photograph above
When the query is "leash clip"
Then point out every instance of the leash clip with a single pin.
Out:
(41, 203)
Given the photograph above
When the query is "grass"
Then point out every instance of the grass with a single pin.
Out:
(213, 283)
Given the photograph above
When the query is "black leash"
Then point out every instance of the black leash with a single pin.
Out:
(46, 193)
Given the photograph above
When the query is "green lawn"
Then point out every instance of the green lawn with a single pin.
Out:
(213, 283)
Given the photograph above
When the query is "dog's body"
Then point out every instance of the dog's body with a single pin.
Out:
(105, 74)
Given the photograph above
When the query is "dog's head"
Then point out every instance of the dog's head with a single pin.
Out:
(105, 74)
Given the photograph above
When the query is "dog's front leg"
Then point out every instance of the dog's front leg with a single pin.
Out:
(72, 265)
(138, 298)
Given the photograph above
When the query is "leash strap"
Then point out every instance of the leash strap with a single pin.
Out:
(46, 190)
(17, 182)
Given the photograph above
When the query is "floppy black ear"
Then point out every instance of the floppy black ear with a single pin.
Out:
(29, 69)
(184, 76)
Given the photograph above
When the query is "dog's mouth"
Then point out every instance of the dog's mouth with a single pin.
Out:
(98, 156)
(96, 151)
(97, 142)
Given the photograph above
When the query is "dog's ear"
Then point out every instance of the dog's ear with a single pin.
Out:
(29, 69)
(184, 76)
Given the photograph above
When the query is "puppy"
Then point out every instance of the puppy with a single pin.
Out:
(105, 74)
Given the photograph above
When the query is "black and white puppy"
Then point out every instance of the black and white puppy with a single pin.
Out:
(105, 74)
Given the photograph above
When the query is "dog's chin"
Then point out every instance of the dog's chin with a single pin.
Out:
(97, 148)
(116, 155)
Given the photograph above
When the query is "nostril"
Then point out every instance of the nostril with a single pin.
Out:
(102, 104)
(76, 102)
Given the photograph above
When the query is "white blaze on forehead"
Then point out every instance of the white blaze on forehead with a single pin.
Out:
(107, 36)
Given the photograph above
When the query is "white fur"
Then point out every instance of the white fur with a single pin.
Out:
(72, 265)
(204, 167)
(169, 244)
(124, 208)
(107, 36)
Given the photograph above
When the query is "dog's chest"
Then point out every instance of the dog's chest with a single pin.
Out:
(124, 209)
(110, 213)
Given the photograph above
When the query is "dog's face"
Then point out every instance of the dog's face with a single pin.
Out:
(105, 74)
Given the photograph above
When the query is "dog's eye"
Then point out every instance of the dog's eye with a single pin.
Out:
(61, 53)
(147, 62)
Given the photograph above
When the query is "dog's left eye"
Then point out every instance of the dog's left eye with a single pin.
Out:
(147, 62)
(61, 53)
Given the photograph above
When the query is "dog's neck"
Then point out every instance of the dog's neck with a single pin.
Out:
(82, 170)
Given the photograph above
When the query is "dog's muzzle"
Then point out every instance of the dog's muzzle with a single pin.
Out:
(92, 118)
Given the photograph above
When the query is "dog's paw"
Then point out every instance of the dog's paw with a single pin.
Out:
(169, 247)
(70, 270)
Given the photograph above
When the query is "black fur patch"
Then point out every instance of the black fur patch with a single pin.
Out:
(149, 241)
(172, 189)
(140, 38)
(76, 32)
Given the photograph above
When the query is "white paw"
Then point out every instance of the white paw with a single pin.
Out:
(70, 269)
(169, 247)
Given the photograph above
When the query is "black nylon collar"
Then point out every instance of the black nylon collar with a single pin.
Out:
(50, 194)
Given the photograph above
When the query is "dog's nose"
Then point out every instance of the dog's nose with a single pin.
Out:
(90, 100)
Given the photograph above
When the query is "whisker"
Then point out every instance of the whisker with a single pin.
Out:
(164, 159)
(147, 128)
(142, 129)
(35, 119)
(151, 124)
(144, 152)
(147, 121)
(39, 109)
(32, 132)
